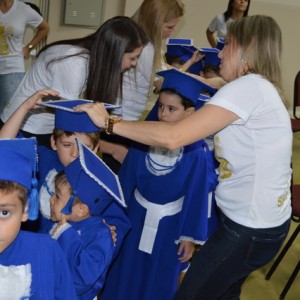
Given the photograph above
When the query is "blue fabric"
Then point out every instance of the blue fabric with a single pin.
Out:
(113, 214)
(51, 278)
(219, 269)
(89, 249)
(8, 85)
(135, 274)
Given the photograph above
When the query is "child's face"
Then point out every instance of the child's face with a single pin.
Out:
(58, 201)
(11, 215)
(66, 146)
(170, 108)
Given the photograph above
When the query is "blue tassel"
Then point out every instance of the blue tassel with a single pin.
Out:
(68, 207)
(33, 203)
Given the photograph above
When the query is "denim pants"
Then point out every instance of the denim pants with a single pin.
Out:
(8, 85)
(221, 266)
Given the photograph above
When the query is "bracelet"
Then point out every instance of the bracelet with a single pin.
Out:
(109, 123)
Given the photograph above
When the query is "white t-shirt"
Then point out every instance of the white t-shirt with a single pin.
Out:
(67, 76)
(136, 83)
(254, 153)
(12, 27)
(219, 25)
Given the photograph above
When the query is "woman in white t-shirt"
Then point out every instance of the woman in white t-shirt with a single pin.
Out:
(254, 148)
(236, 9)
(15, 16)
(90, 67)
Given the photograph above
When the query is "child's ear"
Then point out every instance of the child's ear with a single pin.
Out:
(53, 143)
(25, 214)
(190, 110)
(82, 210)
(97, 147)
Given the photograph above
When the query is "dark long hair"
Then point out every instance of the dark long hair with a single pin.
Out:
(106, 48)
(228, 12)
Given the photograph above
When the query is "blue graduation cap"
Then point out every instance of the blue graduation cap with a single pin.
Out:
(220, 43)
(69, 120)
(18, 161)
(175, 46)
(93, 182)
(184, 84)
(211, 56)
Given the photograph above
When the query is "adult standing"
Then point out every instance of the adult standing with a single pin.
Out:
(91, 66)
(158, 19)
(15, 16)
(236, 9)
(253, 195)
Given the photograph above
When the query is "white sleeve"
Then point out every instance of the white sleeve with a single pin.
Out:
(145, 61)
(33, 19)
(214, 24)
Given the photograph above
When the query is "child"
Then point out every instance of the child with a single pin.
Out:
(32, 266)
(69, 125)
(82, 192)
(169, 200)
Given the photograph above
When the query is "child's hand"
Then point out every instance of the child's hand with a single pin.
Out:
(196, 56)
(113, 232)
(31, 102)
(186, 248)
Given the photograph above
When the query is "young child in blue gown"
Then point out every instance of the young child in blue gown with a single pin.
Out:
(83, 190)
(170, 203)
(69, 125)
(32, 265)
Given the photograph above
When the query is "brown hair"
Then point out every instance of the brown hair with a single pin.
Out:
(9, 187)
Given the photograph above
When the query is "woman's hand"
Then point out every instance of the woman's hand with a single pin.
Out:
(96, 112)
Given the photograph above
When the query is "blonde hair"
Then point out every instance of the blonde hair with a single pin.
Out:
(151, 16)
(259, 39)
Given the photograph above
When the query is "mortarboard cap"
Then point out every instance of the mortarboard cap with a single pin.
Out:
(69, 120)
(184, 84)
(220, 43)
(175, 46)
(93, 182)
(211, 56)
(18, 160)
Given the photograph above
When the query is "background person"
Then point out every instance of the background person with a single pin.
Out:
(15, 16)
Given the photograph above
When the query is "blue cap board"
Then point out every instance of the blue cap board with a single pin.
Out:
(18, 160)
(220, 43)
(211, 56)
(175, 46)
(184, 84)
(93, 182)
(69, 120)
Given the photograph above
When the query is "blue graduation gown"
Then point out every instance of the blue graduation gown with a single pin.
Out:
(147, 267)
(113, 213)
(89, 249)
(43, 259)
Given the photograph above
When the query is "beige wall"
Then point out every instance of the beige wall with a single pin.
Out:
(198, 14)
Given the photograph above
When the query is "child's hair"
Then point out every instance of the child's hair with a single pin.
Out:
(171, 60)
(9, 187)
(94, 136)
(211, 68)
(186, 103)
(62, 179)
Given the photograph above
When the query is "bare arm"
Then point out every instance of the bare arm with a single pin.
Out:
(117, 151)
(12, 125)
(41, 33)
(195, 58)
(211, 39)
(204, 122)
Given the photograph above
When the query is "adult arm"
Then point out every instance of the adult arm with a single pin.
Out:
(211, 38)
(12, 125)
(204, 122)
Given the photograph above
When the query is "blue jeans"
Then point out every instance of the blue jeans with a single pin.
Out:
(8, 85)
(221, 266)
